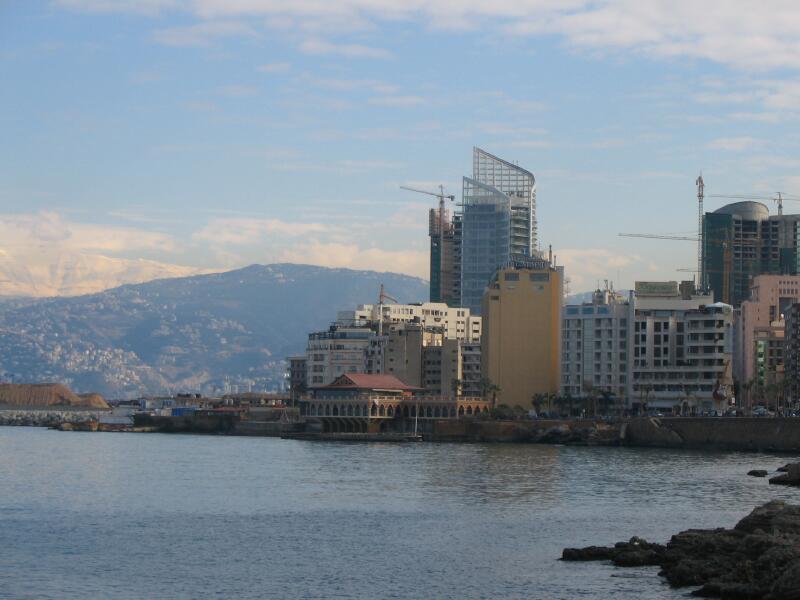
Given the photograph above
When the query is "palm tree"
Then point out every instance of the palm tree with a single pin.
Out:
(537, 400)
(455, 387)
(487, 387)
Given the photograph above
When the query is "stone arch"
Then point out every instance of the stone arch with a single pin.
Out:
(460, 411)
(374, 411)
(469, 410)
(389, 411)
(382, 411)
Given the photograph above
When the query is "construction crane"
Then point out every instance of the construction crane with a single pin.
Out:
(382, 296)
(727, 256)
(442, 197)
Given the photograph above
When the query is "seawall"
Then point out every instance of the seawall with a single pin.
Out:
(734, 433)
(541, 431)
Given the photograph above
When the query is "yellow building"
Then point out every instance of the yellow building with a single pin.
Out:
(521, 343)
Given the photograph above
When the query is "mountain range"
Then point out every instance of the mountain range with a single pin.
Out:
(204, 333)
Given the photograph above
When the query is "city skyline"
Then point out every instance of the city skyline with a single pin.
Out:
(211, 135)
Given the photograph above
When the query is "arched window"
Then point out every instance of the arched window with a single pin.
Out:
(469, 410)
(382, 411)
(460, 411)
(374, 411)
(335, 410)
(327, 410)
(436, 412)
(390, 412)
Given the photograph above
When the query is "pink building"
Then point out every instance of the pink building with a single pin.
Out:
(758, 344)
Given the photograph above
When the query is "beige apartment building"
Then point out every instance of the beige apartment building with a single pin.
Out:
(521, 343)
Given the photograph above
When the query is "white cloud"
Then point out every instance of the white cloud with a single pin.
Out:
(410, 262)
(44, 255)
(237, 91)
(739, 33)
(322, 47)
(49, 229)
(202, 34)
(397, 101)
(245, 231)
(277, 67)
(734, 144)
(585, 266)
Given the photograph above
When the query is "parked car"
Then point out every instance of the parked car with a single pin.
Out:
(760, 411)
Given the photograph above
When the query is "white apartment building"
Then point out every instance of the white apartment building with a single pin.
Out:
(336, 351)
(456, 323)
(419, 343)
(595, 346)
(682, 349)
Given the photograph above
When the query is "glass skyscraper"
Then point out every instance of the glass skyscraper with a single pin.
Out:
(498, 220)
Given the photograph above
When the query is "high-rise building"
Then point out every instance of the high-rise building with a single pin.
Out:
(498, 221)
(521, 342)
(595, 346)
(444, 230)
(741, 240)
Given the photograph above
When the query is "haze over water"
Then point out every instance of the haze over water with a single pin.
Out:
(91, 515)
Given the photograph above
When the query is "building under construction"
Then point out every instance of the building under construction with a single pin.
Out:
(742, 240)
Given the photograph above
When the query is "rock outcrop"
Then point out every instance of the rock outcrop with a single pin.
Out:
(790, 475)
(758, 559)
(758, 473)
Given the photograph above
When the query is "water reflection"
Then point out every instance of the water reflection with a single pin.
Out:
(502, 473)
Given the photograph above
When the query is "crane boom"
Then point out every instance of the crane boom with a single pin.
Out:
(657, 236)
(441, 195)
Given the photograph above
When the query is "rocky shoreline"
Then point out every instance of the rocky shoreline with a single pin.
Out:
(758, 559)
(48, 417)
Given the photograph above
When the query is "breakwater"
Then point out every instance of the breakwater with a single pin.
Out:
(47, 417)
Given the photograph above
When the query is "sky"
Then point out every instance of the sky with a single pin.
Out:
(213, 134)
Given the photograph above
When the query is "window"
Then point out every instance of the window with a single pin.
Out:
(512, 276)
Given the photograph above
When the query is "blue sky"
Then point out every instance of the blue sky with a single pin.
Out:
(213, 134)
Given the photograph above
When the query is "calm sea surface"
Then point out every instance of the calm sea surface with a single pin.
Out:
(109, 515)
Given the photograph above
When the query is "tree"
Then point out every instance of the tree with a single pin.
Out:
(607, 399)
(455, 387)
(537, 400)
(489, 388)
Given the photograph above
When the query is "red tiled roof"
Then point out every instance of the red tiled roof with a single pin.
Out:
(370, 382)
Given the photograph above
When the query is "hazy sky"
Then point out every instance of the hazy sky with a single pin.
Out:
(218, 133)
